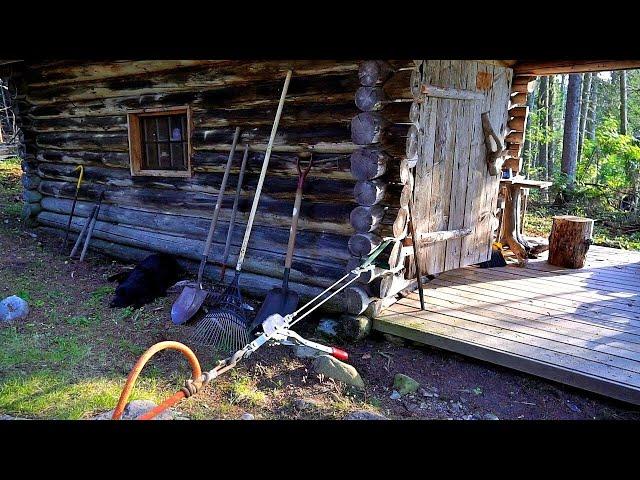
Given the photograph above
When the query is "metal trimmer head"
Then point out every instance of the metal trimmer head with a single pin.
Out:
(223, 328)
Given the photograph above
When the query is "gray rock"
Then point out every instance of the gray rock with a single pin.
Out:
(365, 415)
(573, 407)
(490, 416)
(31, 196)
(334, 368)
(9, 417)
(328, 327)
(247, 416)
(405, 384)
(302, 351)
(395, 395)
(136, 408)
(13, 308)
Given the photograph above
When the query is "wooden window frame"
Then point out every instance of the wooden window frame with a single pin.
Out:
(135, 141)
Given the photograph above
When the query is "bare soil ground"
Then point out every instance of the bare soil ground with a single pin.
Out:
(70, 357)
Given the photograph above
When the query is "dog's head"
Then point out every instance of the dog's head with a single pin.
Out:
(123, 297)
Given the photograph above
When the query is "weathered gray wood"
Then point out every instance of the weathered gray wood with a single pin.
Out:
(442, 236)
(366, 219)
(362, 244)
(369, 99)
(450, 93)
(259, 259)
(400, 224)
(369, 163)
(368, 128)
(369, 192)
(374, 72)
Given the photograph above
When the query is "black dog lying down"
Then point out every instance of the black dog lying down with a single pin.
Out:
(146, 282)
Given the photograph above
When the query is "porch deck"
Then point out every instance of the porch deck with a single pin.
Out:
(578, 327)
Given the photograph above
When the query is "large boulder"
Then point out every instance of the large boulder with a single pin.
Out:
(13, 308)
(334, 368)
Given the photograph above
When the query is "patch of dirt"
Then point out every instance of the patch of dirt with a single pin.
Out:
(68, 298)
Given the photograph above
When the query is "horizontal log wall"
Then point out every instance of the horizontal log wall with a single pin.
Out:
(74, 113)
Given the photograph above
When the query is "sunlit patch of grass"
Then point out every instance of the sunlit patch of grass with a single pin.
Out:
(130, 347)
(31, 349)
(45, 394)
(243, 390)
(84, 321)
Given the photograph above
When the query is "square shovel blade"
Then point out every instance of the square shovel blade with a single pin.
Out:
(187, 304)
(276, 301)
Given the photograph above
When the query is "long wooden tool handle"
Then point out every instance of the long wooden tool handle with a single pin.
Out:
(302, 175)
(232, 221)
(263, 173)
(84, 229)
(216, 212)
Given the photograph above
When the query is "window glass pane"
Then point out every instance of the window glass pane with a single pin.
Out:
(163, 128)
(150, 134)
(150, 154)
(176, 151)
(164, 155)
(175, 127)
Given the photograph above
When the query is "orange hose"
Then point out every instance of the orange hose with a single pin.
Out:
(196, 373)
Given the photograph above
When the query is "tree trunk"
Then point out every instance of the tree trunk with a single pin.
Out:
(623, 102)
(584, 108)
(569, 241)
(552, 143)
(570, 138)
(543, 108)
(526, 148)
(593, 108)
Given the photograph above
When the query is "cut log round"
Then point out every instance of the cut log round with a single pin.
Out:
(518, 112)
(514, 137)
(569, 241)
(369, 99)
(374, 72)
(405, 171)
(357, 300)
(362, 244)
(366, 219)
(405, 195)
(369, 192)
(517, 124)
(414, 112)
(518, 99)
(368, 163)
(368, 128)
(411, 149)
(400, 224)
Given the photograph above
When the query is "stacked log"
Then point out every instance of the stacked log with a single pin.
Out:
(74, 113)
(387, 141)
(521, 86)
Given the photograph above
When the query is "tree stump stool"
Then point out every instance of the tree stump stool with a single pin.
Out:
(569, 241)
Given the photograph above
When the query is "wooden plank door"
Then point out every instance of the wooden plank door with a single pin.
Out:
(453, 187)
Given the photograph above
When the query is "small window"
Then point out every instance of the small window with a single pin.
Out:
(160, 142)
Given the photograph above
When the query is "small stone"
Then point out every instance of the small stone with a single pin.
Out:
(247, 416)
(467, 417)
(490, 416)
(573, 407)
(13, 308)
(429, 392)
(405, 384)
(334, 368)
(395, 395)
(328, 327)
(423, 405)
(366, 356)
(9, 417)
(136, 408)
(365, 415)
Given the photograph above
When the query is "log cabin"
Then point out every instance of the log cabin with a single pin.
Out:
(384, 134)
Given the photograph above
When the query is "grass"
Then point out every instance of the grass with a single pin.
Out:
(10, 188)
(28, 349)
(48, 394)
(243, 390)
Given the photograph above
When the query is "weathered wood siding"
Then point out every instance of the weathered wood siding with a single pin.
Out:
(75, 114)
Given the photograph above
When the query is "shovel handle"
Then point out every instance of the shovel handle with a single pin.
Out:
(302, 175)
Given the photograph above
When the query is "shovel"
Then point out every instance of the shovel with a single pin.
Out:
(281, 300)
(193, 296)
